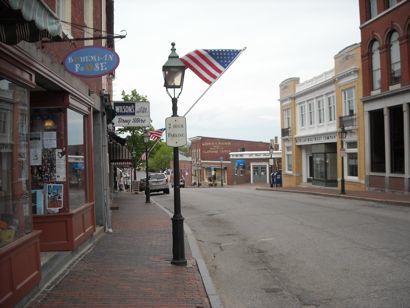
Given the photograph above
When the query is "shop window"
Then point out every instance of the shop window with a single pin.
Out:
(377, 145)
(76, 159)
(351, 158)
(48, 160)
(15, 213)
(319, 166)
(396, 139)
(331, 166)
(288, 156)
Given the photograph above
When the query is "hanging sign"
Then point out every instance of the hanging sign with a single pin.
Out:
(91, 61)
(132, 114)
(176, 131)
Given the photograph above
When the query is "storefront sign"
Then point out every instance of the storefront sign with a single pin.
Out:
(91, 61)
(132, 114)
(176, 131)
(316, 139)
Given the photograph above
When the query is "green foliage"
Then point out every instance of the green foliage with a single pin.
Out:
(186, 150)
(161, 158)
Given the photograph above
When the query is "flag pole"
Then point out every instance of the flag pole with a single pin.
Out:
(229, 65)
(199, 98)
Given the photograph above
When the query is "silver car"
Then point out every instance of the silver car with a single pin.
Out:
(157, 182)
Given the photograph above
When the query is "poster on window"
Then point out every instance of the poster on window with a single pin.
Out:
(35, 149)
(60, 165)
(54, 197)
(50, 140)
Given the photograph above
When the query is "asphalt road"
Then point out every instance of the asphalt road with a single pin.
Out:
(275, 249)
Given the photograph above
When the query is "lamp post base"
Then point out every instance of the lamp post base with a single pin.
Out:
(178, 247)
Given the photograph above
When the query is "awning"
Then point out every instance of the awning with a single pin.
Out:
(27, 20)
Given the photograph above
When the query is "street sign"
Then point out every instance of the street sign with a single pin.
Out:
(176, 131)
(132, 114)
(342, 152)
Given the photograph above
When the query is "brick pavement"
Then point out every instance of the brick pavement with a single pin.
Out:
(130, 267)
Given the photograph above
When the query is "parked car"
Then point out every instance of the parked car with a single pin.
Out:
(157, 182)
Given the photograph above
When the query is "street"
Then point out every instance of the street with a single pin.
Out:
(276, 249)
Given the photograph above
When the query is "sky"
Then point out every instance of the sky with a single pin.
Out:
(283, 39)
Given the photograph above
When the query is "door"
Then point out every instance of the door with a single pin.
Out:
(259, 174)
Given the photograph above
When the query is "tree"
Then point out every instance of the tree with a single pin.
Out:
(160, 160)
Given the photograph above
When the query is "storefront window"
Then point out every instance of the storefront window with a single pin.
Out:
(319, 166)
(48, 160)
(331, 166)
(15, 213)
(76, 159)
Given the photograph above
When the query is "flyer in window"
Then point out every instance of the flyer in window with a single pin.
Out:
(50, 140)
(54, 197)
(60, 165)
(36, 146)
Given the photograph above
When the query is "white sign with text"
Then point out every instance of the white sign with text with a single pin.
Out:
(176, 131)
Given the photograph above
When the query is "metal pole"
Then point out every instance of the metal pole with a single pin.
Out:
(147, 192)
(222, 181)
(342, 181)
(178, 247)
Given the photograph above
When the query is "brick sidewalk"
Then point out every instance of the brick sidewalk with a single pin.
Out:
(131, 266)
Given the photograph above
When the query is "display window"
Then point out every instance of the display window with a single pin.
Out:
(58, 156)
(15, 212)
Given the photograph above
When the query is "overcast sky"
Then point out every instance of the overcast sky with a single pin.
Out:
(284, 38)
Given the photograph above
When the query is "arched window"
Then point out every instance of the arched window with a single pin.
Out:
(375, 65)
(395, 67)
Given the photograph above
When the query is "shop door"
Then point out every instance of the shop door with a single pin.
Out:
(259, 174)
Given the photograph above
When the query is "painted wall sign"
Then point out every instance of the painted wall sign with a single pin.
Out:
(91, 61)
(132, 114)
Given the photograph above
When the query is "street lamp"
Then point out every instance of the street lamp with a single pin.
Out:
(342, 135)
(174, 71)
(222, 179)
(271, 165)
(147, 192)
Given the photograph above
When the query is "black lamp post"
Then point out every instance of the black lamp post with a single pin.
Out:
(134, 155)
(174, 71)
(222, 173)
(342, 135)
(271, 165)
(147, 192)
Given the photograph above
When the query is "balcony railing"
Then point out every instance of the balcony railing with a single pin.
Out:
(348, 121)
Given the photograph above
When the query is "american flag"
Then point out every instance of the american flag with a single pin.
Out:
(209, 64)
(156, 134)
(143, 156)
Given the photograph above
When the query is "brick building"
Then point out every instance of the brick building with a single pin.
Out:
(53, 135)
(211, 158)
(385, 31)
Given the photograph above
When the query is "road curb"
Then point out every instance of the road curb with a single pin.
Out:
(393, 202)
(196, 254)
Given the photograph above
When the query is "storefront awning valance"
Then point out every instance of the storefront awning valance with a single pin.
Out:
(27, 20)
